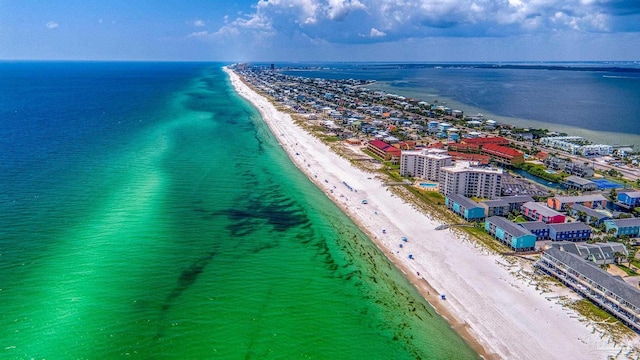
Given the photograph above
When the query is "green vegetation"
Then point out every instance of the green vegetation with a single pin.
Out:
(541, 172)
(520, 219)
(330, 139)
(368, 152)
(605, 320)
(629, 271)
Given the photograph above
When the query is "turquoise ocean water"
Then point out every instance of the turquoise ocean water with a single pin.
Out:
(147, 212)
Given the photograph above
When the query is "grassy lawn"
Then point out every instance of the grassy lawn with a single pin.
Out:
(520, 219)
(629, 271)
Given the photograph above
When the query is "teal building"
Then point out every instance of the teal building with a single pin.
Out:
(510, 234)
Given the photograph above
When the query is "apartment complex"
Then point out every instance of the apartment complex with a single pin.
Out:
(608, 292)
(470, 180)
(424, 163)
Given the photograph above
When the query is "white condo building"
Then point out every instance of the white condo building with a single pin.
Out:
(424, 163)
(471, 180)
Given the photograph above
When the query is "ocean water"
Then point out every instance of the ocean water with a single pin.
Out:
(598, 102)
(147, 212)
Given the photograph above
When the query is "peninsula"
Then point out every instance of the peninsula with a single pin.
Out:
(487, 297)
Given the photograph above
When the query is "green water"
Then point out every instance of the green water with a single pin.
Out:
(196, 238)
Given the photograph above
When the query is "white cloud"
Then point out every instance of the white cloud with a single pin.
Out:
(197, 23)
(339, 9)
(353, 21)
(374, 33)
(52, 25)
(199, 35)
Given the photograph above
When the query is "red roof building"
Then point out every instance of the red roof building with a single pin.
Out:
(488, 140)
(464, 147)
(482, 159)
(384, 150)
(503, 154)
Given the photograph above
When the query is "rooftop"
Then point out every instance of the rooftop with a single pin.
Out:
(578, 180)
(581, 198)
(541, 208)
(612, 283)
(625, 222)
(464, 201)
(505, 224)
(633, 194)
(534, 225)
(570, 226)
(465, 166)
(500, 150)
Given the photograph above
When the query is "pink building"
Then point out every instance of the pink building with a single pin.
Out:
(540, 212)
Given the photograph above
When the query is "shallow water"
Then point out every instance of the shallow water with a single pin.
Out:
(146, 211)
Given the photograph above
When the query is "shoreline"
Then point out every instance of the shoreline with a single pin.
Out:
(499, 315)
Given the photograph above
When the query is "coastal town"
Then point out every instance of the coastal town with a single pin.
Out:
(571, 206)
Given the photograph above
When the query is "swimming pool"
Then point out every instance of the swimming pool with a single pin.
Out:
(428, 186)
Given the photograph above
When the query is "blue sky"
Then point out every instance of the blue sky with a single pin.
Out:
(321, 30)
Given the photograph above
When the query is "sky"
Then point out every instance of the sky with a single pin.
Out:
(321, 30)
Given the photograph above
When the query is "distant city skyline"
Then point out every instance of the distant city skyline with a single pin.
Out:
(321, 30)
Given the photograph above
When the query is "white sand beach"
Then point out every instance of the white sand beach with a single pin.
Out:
(499, 313)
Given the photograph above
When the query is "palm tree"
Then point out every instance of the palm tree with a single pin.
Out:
(618, 256)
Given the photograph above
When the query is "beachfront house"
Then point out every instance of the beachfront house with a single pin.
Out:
(605, 290)
(509, 233)
(573, 231)
(540, 212)
(618, 227)
(465, 207)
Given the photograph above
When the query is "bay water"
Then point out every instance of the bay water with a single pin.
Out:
(598, 101)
